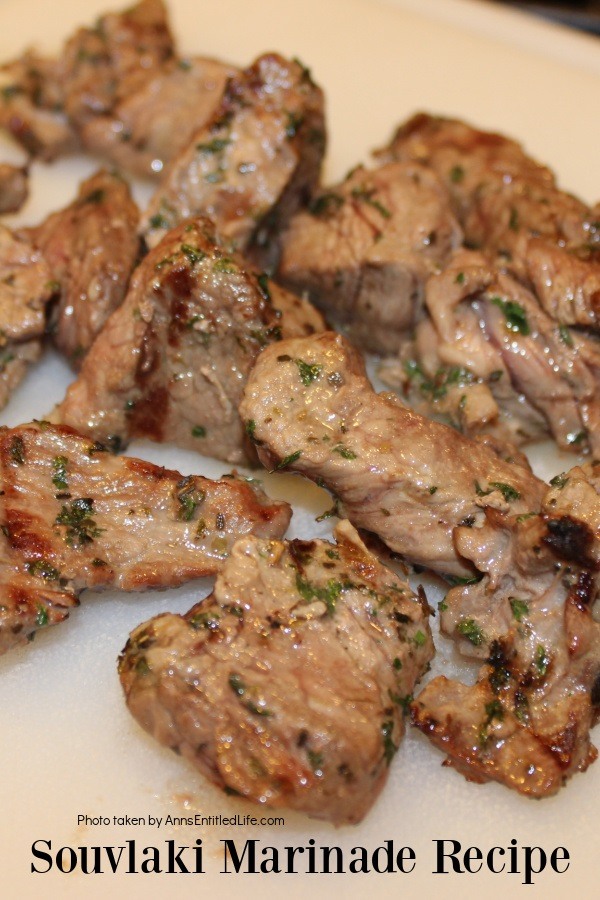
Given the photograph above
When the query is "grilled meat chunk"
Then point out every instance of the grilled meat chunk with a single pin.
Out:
(104, 64)
(14, 187)
(287, 684)
(74, 516)
(310, 408)
(526, 721)
(510, 206)
(253, 165)
(91, 248)
(488, 357)
(171, 362)
(147, 128)
(32, 106)
(364, 249)
(25, 289)
(117, 90)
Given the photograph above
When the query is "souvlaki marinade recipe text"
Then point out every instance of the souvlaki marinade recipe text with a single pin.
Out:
(447, 856)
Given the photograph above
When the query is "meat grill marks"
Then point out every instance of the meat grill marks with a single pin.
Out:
(14, 187)
(488, 358)
(25, 288)
(311, 409)
(253, 165)
(74, 516)
(511, 207)
(365, 248)
(526, 721)
(91, 247)
(288, 684)
(117, 90)
(171, 362)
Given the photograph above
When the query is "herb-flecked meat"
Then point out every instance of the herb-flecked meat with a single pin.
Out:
(364, 249)
(254, 164)
(74, 516)
(488, 357)
(511, 207)
(288, 684)
(310, 408)
(91, 247)
(172, 361)
(530, 618)
(150, 126)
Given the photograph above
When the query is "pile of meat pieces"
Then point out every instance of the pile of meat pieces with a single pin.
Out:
(461, 264)
(524, 557)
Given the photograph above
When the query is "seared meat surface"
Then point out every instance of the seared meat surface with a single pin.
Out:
(510, 206)
(490, 359)
(104, 64)
(117, 89)
(526, 721)
(254, 164)
(32, 106)
(25, 289)
(310, 408)
(14, 188)
(364, 249)
(172, 361)
(91, 248)
(150, 126)
(74, 516)
(287, 684)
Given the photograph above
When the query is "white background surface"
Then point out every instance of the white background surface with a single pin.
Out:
(68, 744)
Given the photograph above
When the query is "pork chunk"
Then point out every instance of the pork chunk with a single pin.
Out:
(74, 516)
(147, 128)
(25, 289)
(363, 251)
(489, 358)
(254, 164)
(526, 721)
(287, 684)
(511, 207)
(91, 247)
(171, 362)
(310, 408)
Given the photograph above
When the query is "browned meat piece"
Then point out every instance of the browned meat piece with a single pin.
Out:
(74, 516)
(526, 721)
(299, 318)
(566, 283)
(510, 206)
(254, 164)
(463, 157)
(14, 188)
(172, 361)
(366, 247)
(287, 685)
(489, 358)
(152, 125)
(32, 106)
(91, 248)
(310, 409)
(572, 509)
(111, 61)
(25, 289)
